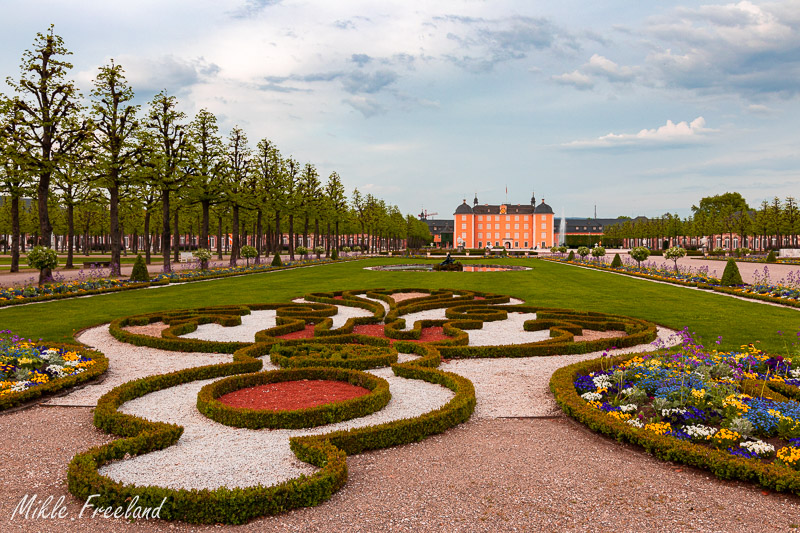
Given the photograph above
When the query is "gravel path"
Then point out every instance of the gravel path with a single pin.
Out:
(210, 455)
(128, 362)
(520, 387)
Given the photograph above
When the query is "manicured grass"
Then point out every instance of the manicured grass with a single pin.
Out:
(549, 284)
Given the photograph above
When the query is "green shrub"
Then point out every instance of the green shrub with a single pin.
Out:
(731, 277)
(616, 262)
(276, 261)
(571, 256)
(334, 255)
(583, 251)
(772, 257)
(673, 254)
(139, 272)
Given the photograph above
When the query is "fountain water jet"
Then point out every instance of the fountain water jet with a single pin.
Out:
(562, 230)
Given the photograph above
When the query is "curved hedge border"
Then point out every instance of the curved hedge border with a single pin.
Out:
(721, 464)
(208, 399)
(99, 367)
(237, 506)
(332, 355)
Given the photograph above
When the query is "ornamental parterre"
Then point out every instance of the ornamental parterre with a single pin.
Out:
(735, 402)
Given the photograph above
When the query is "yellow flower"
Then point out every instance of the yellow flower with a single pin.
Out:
(658, 427)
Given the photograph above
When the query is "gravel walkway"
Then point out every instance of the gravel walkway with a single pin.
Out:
(245, 332)
(128, 362)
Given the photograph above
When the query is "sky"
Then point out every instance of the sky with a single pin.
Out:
(627, 107)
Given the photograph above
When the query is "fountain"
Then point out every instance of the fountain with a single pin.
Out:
(562, 230)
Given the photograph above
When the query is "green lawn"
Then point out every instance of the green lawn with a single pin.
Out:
(548, 284)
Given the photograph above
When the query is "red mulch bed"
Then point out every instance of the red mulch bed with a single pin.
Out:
(338, 298)
(290, 395)
(306, 333)
(435, 333)
(478, 298)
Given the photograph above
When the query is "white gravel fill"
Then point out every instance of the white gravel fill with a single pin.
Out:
(520, 387)
(211, 455)
(509, 331)
(127, 362)
(245, 332)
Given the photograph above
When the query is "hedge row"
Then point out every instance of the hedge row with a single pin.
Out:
(208, 399)
(355, 357)
(236, 506)
(720, 463)
(99, 367)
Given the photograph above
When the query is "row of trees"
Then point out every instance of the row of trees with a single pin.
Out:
(725, 214)
(136, 164)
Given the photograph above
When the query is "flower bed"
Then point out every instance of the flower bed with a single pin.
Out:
(28, 369)
(71, 289)
(727, 412)
(784, 292)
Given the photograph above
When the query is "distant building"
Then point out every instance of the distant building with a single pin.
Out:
(441, 230)
(514, 227)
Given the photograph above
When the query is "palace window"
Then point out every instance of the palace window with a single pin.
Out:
(480, 217)
(480, 244)
(544, 225)
(516, 245)
(508, 226)
(544, 217)
(525, 226)
(463, 226)
(497, 217)
(480, 226)
(516, 217)
(544, 235)
(516, 226)
(526, 244)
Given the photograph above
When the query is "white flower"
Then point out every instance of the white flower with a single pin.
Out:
(602, 381)
(592, 396)
(20, 386)
(52, 353)
(72, 363)
(795, 373)
(59, 371)
(758, 447)
(635, 422)
(699, 431)
(676, 411)
(628, 408)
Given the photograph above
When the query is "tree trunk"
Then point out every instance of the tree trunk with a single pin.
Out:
(305, 232)
(148, 239)
(204, 225)
(15, 234)
(116, 234)
(235, 231)
(219, 237)
(70, 235)
(176, 237)
(45, 228)
(278, 244)
(259, 236)
(316, 232)
(291, 237)
(328, 240)
(165, 231)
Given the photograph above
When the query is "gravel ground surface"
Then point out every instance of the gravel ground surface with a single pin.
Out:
(128, 362)
(245, 332)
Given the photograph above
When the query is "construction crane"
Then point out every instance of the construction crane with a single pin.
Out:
(424, 215)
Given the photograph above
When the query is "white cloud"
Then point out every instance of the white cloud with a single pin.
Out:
(669, 134)
(575, 78)
(605, 67)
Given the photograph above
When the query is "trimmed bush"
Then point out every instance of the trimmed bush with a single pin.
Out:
(731, 277)
(571, 256)
(139, 272)
(616, 262)
(276, 261)
(772, 257)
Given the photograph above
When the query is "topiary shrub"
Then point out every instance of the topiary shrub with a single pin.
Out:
(248, 252)
(276, 261)
(616, 262)
(334, 255)
(583, 251)
(731, 277)
(673, 254)
(571, 256)
(639, 254)
(139, 272)
(771, 257)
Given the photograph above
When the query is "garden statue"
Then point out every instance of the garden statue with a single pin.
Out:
(448, 260)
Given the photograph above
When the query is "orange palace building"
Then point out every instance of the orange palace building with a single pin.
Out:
(514, 227)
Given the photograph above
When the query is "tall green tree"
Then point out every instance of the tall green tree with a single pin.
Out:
(115, 127)
(207, 166)
(237, 184)
(51, 123)
(15, 177)
(169, 145)
(335, 195)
